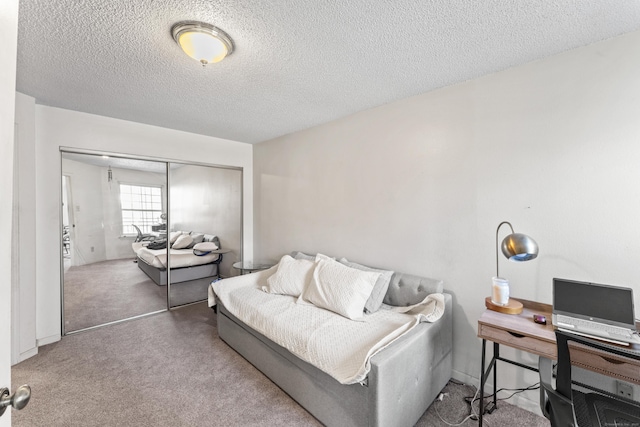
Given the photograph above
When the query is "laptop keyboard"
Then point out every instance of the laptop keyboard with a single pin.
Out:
(613, 331)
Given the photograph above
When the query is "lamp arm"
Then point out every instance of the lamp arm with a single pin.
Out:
(497, 230)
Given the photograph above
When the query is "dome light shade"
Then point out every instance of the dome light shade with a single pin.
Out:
(519, 247)
(516, 247)
(203, 42)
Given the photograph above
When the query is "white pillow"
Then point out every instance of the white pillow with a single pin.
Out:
(197, 237)
(174, 236)
(341, 289)
(379, 289)
(292, 277)
(182, 242)
(205, 247)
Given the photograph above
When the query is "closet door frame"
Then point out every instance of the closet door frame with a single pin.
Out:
(167, 161)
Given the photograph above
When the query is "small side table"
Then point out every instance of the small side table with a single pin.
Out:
(252, 266)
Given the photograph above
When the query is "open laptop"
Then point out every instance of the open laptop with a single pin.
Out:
(599, 311)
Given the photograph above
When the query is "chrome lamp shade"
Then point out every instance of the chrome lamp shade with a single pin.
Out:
(516, 247)
(519, 247)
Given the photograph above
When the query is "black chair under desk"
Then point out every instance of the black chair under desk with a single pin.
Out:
(576, 404)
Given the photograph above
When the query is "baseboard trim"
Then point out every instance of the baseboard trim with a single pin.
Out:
(48, 340)
(471, 380)
(529, 405)
(27, 354)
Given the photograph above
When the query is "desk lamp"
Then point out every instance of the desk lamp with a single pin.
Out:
(515, 247)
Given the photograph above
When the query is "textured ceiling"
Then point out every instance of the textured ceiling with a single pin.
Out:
(296, 64)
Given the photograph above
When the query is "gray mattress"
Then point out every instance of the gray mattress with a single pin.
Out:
(180, 275)
(404, 379)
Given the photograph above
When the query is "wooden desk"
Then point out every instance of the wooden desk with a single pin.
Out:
(520, 332)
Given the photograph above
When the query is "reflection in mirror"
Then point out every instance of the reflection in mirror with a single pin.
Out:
(111, 208)
(205, 206)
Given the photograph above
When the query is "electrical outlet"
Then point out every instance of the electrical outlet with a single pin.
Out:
(624, 389)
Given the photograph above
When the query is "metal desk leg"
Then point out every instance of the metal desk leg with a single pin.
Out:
(484, 374)
(496, 356)
(482, 380)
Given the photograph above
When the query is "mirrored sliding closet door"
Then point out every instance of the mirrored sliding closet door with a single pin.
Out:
(205, 233)
(137, 240)
(111, 208)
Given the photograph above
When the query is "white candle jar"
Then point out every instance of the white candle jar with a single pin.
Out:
(500, 291)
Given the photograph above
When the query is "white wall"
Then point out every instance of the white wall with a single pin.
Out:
(57, 128)
(420, 185)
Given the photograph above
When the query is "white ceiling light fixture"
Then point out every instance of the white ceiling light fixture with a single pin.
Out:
(203, 42)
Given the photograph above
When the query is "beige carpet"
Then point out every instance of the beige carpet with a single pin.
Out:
(171, 369)
(106, 291)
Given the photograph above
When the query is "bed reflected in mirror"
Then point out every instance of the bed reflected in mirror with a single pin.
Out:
(111, 207)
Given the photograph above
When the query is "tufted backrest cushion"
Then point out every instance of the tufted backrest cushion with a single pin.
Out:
(407, 289)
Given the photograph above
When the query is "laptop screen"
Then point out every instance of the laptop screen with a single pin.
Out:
(593, 301)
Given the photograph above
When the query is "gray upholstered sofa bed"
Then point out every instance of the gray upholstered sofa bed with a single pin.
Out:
(404, 379)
